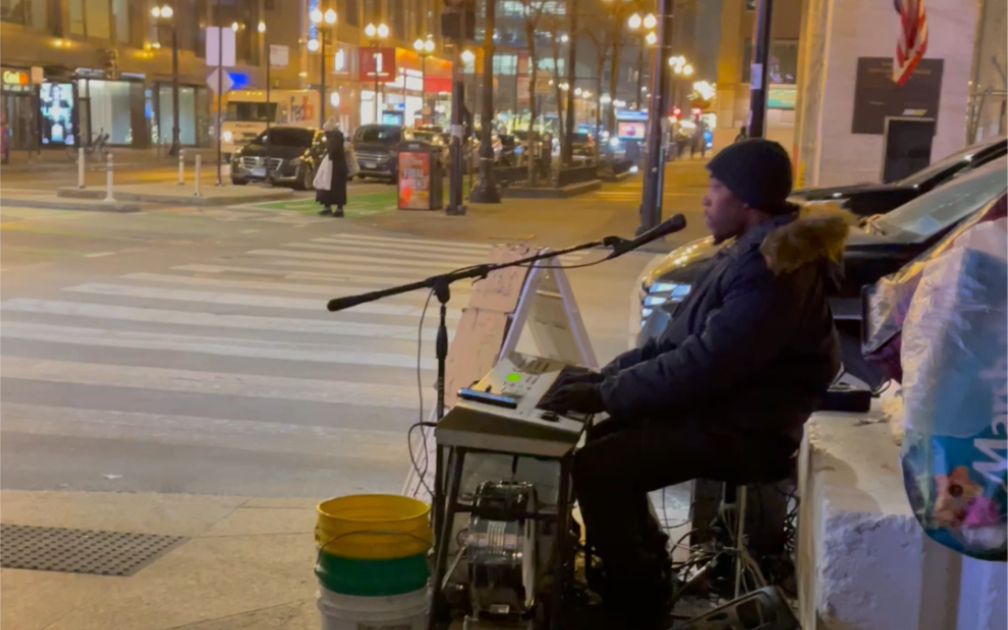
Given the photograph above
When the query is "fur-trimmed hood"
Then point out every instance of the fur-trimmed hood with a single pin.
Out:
(805, 240)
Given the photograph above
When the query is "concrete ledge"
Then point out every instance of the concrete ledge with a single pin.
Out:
(55, 203)
(617, 177)
(519, 192)
(174, 194)
(864, 563)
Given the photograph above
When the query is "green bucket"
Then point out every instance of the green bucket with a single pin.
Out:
(369, 578)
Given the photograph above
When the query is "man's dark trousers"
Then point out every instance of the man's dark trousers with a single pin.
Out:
(622, 461)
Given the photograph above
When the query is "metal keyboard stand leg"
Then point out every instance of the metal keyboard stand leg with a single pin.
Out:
(563, 570)
(456, 460)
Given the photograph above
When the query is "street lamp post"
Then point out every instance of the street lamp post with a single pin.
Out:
(654, 171)
(376, 34)
(317, 18)
(645, 26)
(681, 69)
(424, 49)
(161, 14)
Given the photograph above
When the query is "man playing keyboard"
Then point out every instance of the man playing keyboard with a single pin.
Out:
(724, 391)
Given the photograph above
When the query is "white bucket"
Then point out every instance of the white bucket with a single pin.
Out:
(392, 612)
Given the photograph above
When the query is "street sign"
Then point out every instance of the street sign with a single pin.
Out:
(542, 84)
(226, 40)
(279, 56)
(225, 81)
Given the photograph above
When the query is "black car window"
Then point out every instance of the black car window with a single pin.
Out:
(291, 137)
(378, 134)
(581, 137)
(251, 112)
(948, 167)
(929, 214)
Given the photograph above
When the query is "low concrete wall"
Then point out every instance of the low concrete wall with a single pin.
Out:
(864, 563)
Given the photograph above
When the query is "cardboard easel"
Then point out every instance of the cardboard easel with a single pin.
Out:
(500, 308)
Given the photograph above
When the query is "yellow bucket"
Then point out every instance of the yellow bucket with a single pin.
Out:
(373, 527)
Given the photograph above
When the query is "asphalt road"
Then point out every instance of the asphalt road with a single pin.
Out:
(188, 350)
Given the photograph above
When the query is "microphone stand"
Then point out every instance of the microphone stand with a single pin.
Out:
(441, 283)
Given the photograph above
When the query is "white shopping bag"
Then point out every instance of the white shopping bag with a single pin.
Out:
(323, 176)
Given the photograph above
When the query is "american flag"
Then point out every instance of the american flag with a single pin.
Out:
(913, 36)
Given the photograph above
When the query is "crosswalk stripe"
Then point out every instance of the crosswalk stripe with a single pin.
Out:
(351, 274)
(219, 320)
(223, 346)
(289, 287)
(404, 245)
(395, 240)
(335, 442)
(245, 385)
(242, 299)
(389, 261)
(422, 256)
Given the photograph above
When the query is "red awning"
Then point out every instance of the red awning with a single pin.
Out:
(437, 84)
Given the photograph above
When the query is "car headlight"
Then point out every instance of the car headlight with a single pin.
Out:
(659, 294)
(227, 136)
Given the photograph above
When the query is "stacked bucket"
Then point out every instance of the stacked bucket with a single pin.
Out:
(372, 562)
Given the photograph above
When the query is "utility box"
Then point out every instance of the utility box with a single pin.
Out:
(420, 177)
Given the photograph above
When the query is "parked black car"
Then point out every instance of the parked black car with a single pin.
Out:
(293, 154)
(375, 146)
(881, 246)
(869, 199)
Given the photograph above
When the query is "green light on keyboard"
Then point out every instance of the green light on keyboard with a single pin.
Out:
(513, 377)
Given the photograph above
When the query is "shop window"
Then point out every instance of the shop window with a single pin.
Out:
(121, 15)
(110, 110)
(187, 110)
(783, 66)
(351, 17)
(98, 21)
(26, 12)
(76, 10)
(398, 14)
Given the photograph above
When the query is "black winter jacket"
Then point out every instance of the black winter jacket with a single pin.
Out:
(753, 345)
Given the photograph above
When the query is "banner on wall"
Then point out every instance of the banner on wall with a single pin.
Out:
(377, 64)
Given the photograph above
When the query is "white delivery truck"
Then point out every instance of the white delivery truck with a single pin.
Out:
(247, 111)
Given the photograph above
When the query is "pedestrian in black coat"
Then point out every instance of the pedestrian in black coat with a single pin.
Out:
(336, 195)
(724, 391)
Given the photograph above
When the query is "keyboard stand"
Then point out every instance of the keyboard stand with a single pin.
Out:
(444, 518)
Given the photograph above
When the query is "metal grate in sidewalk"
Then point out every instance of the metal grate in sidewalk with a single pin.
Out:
(80, 550)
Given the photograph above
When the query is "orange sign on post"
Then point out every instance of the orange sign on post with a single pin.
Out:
(414, 181)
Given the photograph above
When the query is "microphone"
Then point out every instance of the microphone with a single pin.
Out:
(621, 246)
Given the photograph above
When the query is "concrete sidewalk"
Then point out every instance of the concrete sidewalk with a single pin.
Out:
(209, 195)
(247, 563)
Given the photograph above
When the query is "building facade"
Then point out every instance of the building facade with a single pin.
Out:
(77, 68)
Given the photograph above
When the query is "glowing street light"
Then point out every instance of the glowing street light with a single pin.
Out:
(262, 27)
(468, 56)
(314, 45)
(605, 99)
(330, 16)
(376, 34)
(650, 21)
(635, 21)
(651, 38)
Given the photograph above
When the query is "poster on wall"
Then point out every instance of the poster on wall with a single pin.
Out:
(57, 113)
(414, 181)
(877, 98)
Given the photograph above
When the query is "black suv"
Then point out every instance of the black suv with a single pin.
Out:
(292, 153)
(869, 199)
(375, 146)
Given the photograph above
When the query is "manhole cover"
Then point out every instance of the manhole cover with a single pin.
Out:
(80, 550)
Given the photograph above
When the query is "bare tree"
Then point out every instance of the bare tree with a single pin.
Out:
(600, 39)
(554, 24)
(532, 11)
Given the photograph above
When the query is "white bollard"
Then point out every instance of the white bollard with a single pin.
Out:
(197, 178)
(80, 168)
(181, 167)
(108, 181)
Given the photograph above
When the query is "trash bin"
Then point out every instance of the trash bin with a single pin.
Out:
(420, 178)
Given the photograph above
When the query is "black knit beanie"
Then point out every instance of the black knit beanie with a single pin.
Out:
(757, 171)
